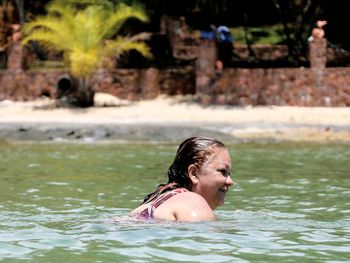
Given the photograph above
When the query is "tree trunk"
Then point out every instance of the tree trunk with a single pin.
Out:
(21, 11)
(77, 92)
(251, 53)
(84, 94)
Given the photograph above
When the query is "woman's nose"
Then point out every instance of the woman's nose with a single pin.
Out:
(229, 181)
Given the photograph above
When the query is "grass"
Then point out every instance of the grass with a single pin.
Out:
(47, 64)
(259, 35)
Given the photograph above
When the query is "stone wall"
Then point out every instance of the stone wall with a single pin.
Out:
(138, 84)
(314, 86)
(262, 51)
(285, 86)
(240, 86)
(22, 85)
(131, 84)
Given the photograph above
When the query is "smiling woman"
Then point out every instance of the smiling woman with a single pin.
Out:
(198, 180)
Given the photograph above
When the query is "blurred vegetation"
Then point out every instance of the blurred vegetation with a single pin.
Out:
(88, 36)
(264, 21)
(251, 21)
(259, 35)
(85, 34)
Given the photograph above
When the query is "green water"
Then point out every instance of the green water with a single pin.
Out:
(291, 203)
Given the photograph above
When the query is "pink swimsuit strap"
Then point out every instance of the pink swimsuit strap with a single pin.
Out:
(148, 212)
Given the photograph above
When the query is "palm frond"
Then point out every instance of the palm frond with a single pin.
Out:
(82, 34)
(124, 44)
(115, 21)
(56, 8)
(83, 63)
(51, 29)
(140, 36)
(48, 40)
(49, 24)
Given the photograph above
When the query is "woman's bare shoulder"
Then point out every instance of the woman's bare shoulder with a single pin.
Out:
(191, 197)
(189, 206)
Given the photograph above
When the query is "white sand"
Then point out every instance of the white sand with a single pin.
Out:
(291, 123)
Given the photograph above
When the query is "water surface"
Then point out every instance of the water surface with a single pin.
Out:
(290, 204)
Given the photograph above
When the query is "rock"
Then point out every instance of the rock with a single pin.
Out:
(108, 100)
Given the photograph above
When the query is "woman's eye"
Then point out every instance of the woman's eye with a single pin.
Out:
(225, 173)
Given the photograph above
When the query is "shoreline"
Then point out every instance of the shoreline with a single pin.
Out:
(171, 119)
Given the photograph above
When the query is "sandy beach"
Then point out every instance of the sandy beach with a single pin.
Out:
(170, 119)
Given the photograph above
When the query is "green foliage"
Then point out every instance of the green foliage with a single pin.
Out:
(47, 64)
(86, 35)
(259, 35)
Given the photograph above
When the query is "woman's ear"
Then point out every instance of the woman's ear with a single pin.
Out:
(193, 173)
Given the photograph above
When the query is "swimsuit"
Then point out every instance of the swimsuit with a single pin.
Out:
(148, 212)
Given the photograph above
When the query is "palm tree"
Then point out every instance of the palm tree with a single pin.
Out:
(86, 36)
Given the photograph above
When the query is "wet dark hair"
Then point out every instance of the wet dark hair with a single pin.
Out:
(194, 150)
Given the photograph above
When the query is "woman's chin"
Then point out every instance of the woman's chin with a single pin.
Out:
(220, 201)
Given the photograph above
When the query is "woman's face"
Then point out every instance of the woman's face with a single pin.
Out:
(213, 179)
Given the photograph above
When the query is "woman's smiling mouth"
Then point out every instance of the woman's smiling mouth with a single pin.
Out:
(223, 190)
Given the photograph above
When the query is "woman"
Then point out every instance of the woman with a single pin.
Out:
(198, 181)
